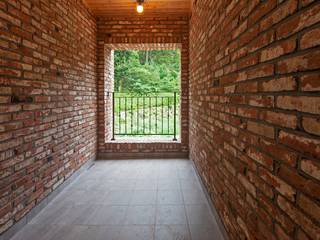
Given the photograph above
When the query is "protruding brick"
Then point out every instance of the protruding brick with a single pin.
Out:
(310, 39)
(279, 84)
(304, 62)
(310, 82)
(308, 146)
(300, 103)
(311, 125)
(311, 167)
(280, 119)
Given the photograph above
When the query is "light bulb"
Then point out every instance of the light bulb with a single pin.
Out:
(139, 8)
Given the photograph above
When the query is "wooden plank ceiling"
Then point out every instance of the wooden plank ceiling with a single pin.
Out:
(128, 7)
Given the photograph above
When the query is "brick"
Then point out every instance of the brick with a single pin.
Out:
(281, 12)
(309, 206)
(299, 182)
(278, 50)
(5, 118)
(260, 184)
(262, 10)
(261, 101)
(310, 82)
(281, 186)
(302, 144)
(304, 62)
(280, 233)
(248, 112)
(245, 183)
(301, 235)
(285, 155)
(261, 41)
(10, 72)
(261, 71)
(298, 217)
(280, 119)
(260, 129)
(311, 168)
(299, 21)
(306, 2)
(311, 125)
(299, 103)
(248, 61)
(9, 108)
(310, 39)
(58, 122)
(279, 85)
(260, 157)
(9, 18)
(247, 87)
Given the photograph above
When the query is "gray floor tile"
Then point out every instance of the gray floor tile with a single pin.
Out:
(69, 232)
(168, 184)
(140, 215)
(101, 233)
(146, 184)
(199, 214)
(171, 214)
(187, 174)
(106, 215)
(128, 200)
(144, 197)
(172, 232)
(189, 184)
(194, 197)
(35, 232)
(145, 232)
(119, 197)
(166, 197)
(205, 232)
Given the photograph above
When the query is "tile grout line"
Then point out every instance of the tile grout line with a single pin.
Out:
(185, 210)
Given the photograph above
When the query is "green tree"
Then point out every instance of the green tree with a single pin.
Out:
(140, 72)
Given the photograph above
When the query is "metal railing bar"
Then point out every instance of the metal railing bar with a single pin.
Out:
(162, 115)
(137, 115)
(155, 117)
(113, 122)
(168, 115)
(131, 115)
(156, 109)
(174, 116)
(149, 115)
(143, 115)
(125, 111)
(119, 120)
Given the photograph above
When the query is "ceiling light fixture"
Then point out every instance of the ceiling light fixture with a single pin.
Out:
(140, 6)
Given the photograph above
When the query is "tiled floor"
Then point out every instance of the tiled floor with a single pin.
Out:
(128, 199)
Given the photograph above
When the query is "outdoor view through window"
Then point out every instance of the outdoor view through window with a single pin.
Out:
(146, 94)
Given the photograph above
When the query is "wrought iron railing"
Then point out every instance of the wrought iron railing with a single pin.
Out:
(147, 115)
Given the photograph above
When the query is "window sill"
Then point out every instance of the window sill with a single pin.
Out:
(144, 140)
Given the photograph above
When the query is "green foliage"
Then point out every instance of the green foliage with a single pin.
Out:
(141, 72)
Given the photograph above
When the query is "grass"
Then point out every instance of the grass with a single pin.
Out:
(141, 116)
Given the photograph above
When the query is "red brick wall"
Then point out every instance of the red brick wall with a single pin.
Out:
(48, 99)
(255, 114)
(139, 30)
